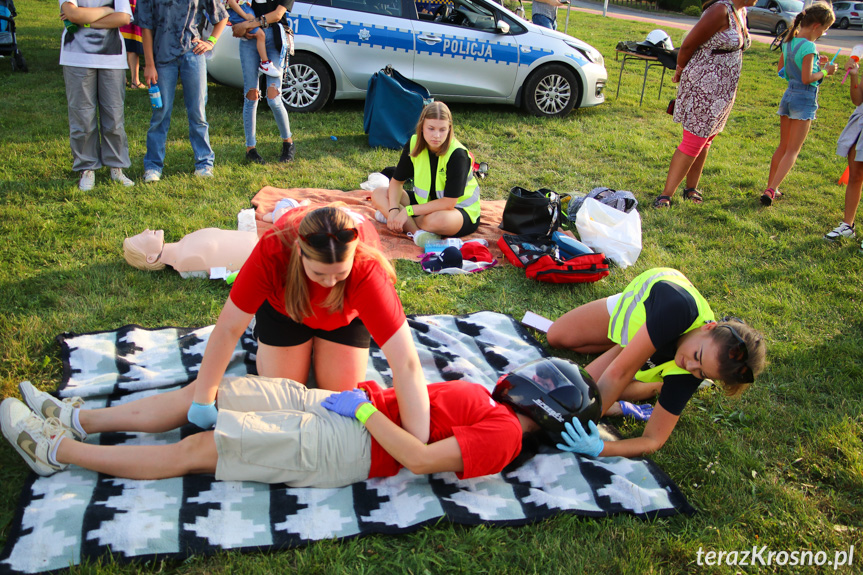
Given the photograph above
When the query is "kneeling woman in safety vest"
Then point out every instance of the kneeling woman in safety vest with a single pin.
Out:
(658, 336)
(445, 198)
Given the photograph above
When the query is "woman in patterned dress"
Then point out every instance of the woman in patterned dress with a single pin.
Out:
(708, 69)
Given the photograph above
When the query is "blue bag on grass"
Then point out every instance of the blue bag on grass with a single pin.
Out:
(393, 106)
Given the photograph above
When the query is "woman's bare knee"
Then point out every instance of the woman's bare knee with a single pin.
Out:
(253, 95)
(272, 93)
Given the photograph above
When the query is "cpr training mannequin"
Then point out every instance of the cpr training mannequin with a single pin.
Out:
(194, 255)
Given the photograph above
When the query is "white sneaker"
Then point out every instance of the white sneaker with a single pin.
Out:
(87, 181)
(205, 172)
(35, 439)
(151, 176)
(422, 237)
(270, 69)
(379, 216)
(843, 230)
(47, 406)
(118, 176)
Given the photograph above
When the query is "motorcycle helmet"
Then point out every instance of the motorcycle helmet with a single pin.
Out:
(660, 39)
(551, 392)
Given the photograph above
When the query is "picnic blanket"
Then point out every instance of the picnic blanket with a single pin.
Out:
(395, 246)
(79, 515)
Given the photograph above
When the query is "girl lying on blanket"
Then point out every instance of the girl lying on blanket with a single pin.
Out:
(277, 431)
(658, 336)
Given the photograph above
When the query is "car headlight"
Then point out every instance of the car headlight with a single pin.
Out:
(589, 52)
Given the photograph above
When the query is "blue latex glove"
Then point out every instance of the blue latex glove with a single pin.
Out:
(640, 412)
(346, 402)
(580, 441)
(203, 414)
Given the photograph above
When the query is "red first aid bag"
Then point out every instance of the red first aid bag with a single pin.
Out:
(540, 258)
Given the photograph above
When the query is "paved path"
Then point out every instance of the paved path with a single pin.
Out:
(834, 40)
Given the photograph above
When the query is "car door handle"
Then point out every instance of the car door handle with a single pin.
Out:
(431, 39)
(330, 26)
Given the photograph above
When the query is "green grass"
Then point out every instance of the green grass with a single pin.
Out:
(783, 466)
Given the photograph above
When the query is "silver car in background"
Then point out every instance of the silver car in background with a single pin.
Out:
(775, 16)
(464, 51)
(848, 14)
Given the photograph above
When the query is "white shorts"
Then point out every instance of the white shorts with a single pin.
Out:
(611, 302)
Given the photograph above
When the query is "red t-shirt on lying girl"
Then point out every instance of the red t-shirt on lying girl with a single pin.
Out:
(488, 432)
(369, 294)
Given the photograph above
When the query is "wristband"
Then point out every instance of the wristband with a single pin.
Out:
(391, 209)
(410, 210)
(364, 412)
(263, 22)
(212, 40)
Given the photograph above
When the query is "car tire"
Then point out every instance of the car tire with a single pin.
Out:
(307, 84)
(780, 28)
(844, 23)
(551, 91)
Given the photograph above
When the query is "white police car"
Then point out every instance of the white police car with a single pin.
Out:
(465, 51)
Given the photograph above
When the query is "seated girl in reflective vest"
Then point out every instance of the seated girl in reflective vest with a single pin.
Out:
(445, 198)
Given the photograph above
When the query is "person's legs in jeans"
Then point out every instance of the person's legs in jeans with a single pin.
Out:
(274, 93)
(544, 21)
(83, 130)
(249, 63)
(193, 74)
(160, 121)
(112, 97)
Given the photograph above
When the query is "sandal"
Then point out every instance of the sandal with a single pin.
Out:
(662, 201)
(693, 194)
(769, 196)
(138, 85)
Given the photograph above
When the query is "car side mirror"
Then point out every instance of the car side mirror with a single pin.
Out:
(502, 27)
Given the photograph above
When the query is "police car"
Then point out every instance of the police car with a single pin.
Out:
(460, 50)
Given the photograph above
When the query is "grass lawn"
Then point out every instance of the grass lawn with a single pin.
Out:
(781, 467)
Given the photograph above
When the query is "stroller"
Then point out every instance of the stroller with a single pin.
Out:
(8, 39)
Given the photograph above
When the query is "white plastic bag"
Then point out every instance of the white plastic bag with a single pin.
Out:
(610, 231)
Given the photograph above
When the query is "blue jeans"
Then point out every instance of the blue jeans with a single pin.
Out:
(249, 62)
(544, 21)
(191, 69)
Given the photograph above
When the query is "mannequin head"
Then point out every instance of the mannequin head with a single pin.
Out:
(142, 251)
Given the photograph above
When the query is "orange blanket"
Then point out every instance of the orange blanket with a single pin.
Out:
(394, 245)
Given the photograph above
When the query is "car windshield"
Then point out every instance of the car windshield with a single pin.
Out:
(791, 6)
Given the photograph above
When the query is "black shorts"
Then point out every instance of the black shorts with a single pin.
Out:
(278, 330)
(467, 227)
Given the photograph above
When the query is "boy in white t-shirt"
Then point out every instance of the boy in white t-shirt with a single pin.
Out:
(94, 70)
(241, 11)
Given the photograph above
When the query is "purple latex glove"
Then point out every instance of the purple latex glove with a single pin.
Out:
(640, 412)
(346, 402)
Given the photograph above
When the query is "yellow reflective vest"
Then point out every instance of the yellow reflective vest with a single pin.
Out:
(629, 315)
(468, 201)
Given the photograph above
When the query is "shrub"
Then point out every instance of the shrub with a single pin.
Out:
(692, 11)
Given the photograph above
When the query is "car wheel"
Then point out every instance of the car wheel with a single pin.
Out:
(306, 86)
(780, 28)
(844, 23)
(552, 90)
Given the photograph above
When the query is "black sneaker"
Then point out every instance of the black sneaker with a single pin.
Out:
(253, 156)
(288, 150)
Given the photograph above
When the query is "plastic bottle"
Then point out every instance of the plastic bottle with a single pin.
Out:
(440, 245)
(71, 27)
(856, 54)
(155, 97)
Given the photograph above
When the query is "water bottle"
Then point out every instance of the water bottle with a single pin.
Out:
(155, 97)
(437, 246)
(71, 27)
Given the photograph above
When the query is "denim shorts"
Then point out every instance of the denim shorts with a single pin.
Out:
(799, 103)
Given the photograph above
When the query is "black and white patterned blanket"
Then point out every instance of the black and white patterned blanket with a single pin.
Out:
(79, 514)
